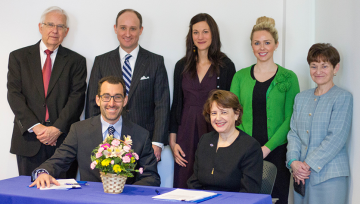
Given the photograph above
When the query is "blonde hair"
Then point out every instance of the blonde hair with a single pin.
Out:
(265, 23)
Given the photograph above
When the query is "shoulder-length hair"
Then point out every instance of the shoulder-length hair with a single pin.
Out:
(214, 53)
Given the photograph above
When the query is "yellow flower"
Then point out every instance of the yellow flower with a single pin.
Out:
(117, 168)
(106, 162)
(132, 159)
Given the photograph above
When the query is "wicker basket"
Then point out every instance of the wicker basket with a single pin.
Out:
(113, 183)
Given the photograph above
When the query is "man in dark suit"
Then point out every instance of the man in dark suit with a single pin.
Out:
(46, 92)
(145, 78)
(85, 135)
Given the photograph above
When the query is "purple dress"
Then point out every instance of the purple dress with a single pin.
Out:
(193, 124)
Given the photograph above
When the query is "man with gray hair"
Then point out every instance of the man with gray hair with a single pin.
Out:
(46, 91)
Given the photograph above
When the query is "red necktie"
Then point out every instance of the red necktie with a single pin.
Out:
(46, 71)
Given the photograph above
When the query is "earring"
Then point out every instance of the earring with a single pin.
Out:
(194, 48)
(334, 74)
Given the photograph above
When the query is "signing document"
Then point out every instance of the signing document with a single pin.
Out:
(186, 195)
(65, 184)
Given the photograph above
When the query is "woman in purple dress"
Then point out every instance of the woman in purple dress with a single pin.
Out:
(203, 69)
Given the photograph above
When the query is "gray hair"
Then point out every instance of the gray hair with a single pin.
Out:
(54, 9)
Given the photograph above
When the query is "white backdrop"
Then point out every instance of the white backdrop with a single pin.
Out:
(165, 27)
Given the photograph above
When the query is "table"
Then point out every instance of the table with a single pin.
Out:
(15, 190)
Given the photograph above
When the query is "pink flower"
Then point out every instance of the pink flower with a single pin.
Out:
(141, 170)
(128, 155)
(100, 150)
(136, 156)
(126, 148)
(112, 162)
(93, 165)
(115, 142)
(126, 159)
(105, 146)
(99, 154)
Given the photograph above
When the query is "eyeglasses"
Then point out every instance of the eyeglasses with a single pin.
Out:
(51, 26)
(107, 98)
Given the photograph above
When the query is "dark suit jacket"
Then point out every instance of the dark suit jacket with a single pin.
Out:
(85, 135)
(65, 97)
(237, 167)
(149, 99)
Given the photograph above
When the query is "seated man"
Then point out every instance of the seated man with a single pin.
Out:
(85, 135)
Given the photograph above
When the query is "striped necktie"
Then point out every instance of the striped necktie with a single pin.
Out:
(126, 71)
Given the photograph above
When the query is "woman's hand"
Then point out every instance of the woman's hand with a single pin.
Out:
(178, 153)
(301, 171)
(266, 151)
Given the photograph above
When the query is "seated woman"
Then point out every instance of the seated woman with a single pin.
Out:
(226, 159)
(320, 126)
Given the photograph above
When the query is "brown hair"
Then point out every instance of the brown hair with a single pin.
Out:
(224, 99)
(130, 10)
(268, 24)
(214, 53)
(323, 52)
(111, 80)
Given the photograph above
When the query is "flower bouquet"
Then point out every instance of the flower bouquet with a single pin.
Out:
(116, 161)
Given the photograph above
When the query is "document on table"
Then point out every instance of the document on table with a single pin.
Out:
(186, 195)
(65, 184)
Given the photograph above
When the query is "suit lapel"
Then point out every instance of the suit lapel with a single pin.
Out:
(35, 69)
(140, 67)
(59, 64)
(115, 62)
(96, 131)
(126, 128)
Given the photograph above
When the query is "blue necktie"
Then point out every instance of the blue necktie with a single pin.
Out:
(127, 73)
(111, 130)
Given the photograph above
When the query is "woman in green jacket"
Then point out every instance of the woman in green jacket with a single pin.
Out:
(266, 92)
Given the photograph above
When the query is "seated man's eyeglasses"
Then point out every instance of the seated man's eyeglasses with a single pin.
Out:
(107, 97)
(51, 25)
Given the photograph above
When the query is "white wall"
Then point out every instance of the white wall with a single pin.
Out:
(337, 22)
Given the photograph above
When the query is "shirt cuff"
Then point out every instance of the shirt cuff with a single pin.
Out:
(161, 145)
(30, 129)
(289, 163)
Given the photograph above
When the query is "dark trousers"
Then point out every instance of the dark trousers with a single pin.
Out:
(26, 165)
(282, 181)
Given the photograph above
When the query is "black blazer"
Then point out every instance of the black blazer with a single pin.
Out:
(223, 82)
(65, 97)
(149, 99)
(85, 135)
(237, 167)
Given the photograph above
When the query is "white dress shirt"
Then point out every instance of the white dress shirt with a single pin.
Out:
(132, 62)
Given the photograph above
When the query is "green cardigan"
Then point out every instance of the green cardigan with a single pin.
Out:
(279, 103)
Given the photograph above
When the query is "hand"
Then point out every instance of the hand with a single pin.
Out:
(157, 152)
(266, 151)
(44, 179)
(300, 171)
(39, 129)
(178, 155)
(49, 136)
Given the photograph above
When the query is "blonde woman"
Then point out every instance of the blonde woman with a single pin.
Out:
(266, 91)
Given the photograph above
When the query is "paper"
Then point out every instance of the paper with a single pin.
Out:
(63, 185)
(186, 195)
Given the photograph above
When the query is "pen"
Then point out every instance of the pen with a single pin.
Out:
(157, 192)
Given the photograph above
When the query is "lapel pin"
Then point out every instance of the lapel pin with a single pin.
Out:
(211, 145)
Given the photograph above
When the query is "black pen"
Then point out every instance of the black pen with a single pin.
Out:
(157, 192)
